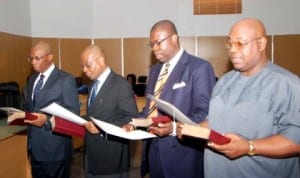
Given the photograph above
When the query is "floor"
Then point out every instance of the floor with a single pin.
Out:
(77, 170)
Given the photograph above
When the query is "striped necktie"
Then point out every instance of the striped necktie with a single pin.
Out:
(160, 83)
(38, 88)
(94, 92)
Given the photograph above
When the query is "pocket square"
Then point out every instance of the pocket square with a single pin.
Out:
(178, 85)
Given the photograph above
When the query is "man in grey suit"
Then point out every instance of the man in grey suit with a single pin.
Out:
(188, 87)
(49, 152)
(111, 99)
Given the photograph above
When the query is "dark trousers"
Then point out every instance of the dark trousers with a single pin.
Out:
(88, 174)
(53, 169)
(155, 168)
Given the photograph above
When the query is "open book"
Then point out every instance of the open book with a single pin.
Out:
(65, 121)
(69, 123)
(17, 116)
(194, 129)
(171, 110)
(118, 131)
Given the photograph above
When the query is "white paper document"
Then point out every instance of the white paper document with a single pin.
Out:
(57, 110)
(118, 131)
(172, 110)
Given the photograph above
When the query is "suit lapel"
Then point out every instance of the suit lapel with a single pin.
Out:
(106, 86)
(176, 74)
(51, 79)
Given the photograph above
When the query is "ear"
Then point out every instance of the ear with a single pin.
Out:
(50, 57)
(101, 60)
(175, 37)
(262, 43)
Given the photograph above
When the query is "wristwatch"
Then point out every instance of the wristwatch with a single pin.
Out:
(251, 151)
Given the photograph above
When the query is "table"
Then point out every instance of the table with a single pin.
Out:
(13, 151)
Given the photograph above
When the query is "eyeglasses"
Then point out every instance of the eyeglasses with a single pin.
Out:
(152, 44)
(238, 44)
(29, 59)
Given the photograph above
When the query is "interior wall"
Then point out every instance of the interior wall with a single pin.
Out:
(99, 19)
(113, 53)
(287, 52)
(132, 55)
(137, 56)
(13, 53)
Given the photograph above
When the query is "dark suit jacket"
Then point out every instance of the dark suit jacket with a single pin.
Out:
(114, 103)
(189, 88)
(44, 144)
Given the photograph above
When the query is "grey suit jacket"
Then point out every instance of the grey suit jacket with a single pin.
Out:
(114, 103)
(44, 144)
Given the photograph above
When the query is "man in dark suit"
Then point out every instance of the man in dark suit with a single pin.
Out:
(111, 99)
(49, 152)
(188, 87)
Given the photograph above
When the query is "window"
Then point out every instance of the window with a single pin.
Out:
(202, 7)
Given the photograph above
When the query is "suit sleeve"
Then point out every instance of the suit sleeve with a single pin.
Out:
(127, 108)
(203, 82)
(69, 95)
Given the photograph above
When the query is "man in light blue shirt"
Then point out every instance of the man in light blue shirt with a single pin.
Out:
(257, 106)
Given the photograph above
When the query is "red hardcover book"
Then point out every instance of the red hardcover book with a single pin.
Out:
(192, 128)
(205, 133)
(66, 127)
(17, 118)
(160, 119)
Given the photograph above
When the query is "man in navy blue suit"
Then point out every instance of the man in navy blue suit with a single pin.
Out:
(188, 87)
(49, 152)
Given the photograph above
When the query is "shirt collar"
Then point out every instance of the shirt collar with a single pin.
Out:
(104, 75)
(175, 60)
(48, 72)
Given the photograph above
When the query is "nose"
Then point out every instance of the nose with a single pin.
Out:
(33, 61)
(233, 48)
(155, 47)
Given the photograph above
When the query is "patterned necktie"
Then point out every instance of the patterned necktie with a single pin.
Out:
(38, 88)
(160, 83)
(94, 92)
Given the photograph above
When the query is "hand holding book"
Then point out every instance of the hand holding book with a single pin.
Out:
(201, 132)
(147, 122)
(63, 126)
(17, 116)
(187, 126)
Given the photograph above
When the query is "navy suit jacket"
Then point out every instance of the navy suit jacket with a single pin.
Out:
(43, 144)
(114, 103)
(189, 88)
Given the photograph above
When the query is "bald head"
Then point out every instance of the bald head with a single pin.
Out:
(44, 46)
(251, 26)
(93, 51)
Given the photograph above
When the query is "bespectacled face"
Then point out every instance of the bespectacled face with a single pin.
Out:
(40, 59)
(163, 44)
(244, 50)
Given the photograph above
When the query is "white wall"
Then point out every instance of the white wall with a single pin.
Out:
(15, 17)
(134, 18)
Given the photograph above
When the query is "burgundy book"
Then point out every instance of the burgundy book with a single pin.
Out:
(205, 133)
(193, 128)
(160, 119)
(17, 118)
(66, 127)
